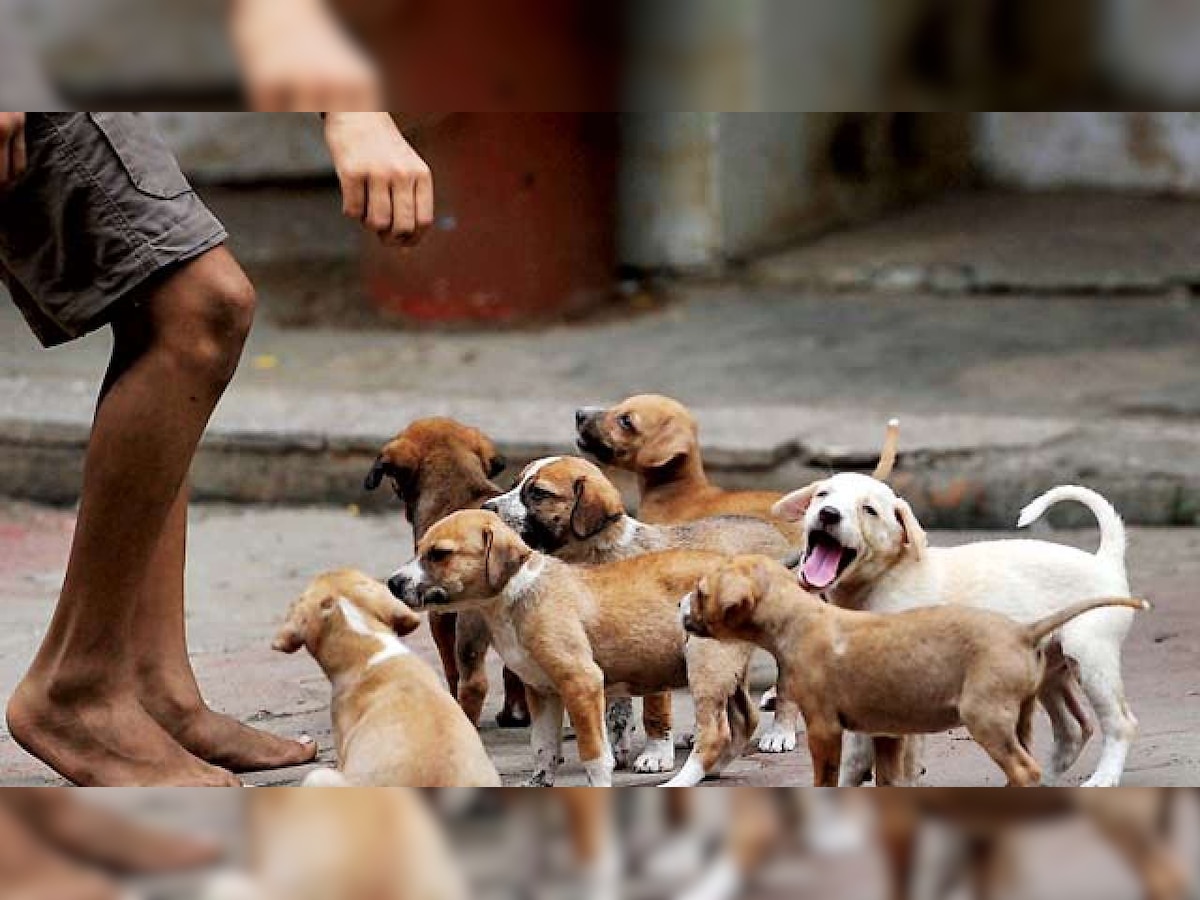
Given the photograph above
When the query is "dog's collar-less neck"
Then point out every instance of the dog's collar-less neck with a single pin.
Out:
(526, 576)
(390, 646)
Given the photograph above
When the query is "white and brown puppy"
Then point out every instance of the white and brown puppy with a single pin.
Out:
(576, 634)
(864, 549)
(921, 671)
(566, 506)
(393, 722)
(343, 845)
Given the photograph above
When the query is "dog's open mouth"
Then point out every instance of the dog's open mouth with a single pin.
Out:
(825, 561)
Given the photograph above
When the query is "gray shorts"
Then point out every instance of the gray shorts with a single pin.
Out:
(102, 208)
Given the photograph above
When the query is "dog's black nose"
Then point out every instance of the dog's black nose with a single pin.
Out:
(581, 417)
(396, 585)
(829, 516)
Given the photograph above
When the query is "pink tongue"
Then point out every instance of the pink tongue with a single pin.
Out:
(821, 567)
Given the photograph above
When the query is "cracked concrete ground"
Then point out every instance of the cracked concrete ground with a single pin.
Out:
(247, 564)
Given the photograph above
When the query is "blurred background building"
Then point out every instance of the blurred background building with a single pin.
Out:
(539, 211)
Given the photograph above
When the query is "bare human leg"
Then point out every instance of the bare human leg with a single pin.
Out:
(167, 684)
(31, 870)
(78, 708)
(90, 834)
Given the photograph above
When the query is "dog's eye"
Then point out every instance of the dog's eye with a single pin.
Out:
(821, 495)
(871, 511)
(626, 422)
(438, 554)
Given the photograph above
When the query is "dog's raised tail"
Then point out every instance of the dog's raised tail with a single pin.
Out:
(1040, 630)
(887, 456)
(1112, 529)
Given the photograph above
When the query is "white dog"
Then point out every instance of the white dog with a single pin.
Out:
(865, 550)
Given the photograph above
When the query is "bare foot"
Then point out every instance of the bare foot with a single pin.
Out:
(97, 740)
(219, 739)
(92, 834)
(31, 871)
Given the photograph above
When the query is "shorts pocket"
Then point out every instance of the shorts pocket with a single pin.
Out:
(143, 154)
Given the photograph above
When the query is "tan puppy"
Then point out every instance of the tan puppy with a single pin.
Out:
(574, 634)
(393, 722)
(566, 506)
(917, 672)
(438, 466)
(657, 439)
(343, 845)
(984, 821)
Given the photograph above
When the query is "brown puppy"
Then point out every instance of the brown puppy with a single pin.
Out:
(567, 507)
(394, 723)
(917, 672)
(657, 439)
(437, 467)
(984, 821)
(575, 633)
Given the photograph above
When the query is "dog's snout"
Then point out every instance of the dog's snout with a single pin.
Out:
(829, 515)
(398, 585)
(581, 417)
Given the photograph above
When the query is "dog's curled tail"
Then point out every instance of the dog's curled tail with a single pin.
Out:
(1040, 630)
(1112, 529)
(887, 456)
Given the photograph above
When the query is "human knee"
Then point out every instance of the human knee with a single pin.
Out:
(207, 331)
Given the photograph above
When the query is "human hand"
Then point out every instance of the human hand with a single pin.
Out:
(385, 184)
(13, 154)
(296, 57)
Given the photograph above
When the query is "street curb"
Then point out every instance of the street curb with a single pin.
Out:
(313, 448)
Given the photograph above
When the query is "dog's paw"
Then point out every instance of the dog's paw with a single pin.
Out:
(1101, 780)
(768, 701)
(657, 757)
(777, 740)
(539, 780)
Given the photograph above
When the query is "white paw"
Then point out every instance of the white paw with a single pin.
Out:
(656, 758)
(539, 780)
(767, 703)
(690, 775)
(777, 739)
(1102, 780)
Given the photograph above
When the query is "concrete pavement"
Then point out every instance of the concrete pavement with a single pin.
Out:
(247, 564)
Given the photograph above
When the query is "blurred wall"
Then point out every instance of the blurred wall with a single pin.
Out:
(1144, 151)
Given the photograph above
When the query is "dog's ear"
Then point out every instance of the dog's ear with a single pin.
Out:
(673, 441)
(293, 634)
(398, 461)
(501, 559)
(496, 465)
(793, 507)
(737, 605)
(588, 516)
(915, 540)
(404, 620)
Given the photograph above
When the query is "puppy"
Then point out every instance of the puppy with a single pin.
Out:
(437, 467)
(575, 634)
(918, 672)
(657, 439)
(393, 722)
(983, 823)
(343, 845)
(567, 507)
(864, 549)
